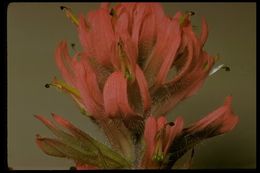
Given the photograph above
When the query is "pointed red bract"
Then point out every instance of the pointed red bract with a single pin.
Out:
(157, 130)
(143, 87)
(223, 119)
(115, 96)
(204, 31)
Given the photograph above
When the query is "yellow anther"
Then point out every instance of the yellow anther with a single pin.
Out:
(185, 17)
(158, 155)
(70, 15)
(64, 87)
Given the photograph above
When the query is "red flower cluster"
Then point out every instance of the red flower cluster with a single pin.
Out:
(136, 65)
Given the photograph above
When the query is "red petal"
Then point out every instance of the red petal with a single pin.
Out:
(65, 63)
(143, 86)
(45, 121)
(115, 96)
(98, 37)
(163, 54)
(122, 23)
(139, 15)
(85, 36)
(161, 122)
(223, 119)
(63, 122)
(173, 132)
(89, 88)
(148, 32)
(187, 82)
(147, 38)
(149, 138)
(105, 5)
(174, 42)
(204, 31)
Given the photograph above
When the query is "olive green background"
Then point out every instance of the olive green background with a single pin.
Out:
(33, 32)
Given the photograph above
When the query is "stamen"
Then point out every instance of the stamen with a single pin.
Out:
(184, 19)
(70, 15)
(226, 68)
(161, 132)
(158, 155)
(64, 87)
(48, 85)
(222, 66)
(125, 66)
(190, 13)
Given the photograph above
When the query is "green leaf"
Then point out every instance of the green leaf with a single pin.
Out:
(53, 146)
(82, 144)
(47, 147)
(96, 145)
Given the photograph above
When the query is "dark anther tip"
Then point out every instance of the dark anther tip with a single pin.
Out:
(112, 12)
(171, 123)
(47, 85)
(63, 7)
(72, 44)
(227, 68)
(192, 13)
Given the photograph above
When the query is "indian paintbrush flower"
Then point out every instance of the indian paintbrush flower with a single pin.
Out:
(136, 65)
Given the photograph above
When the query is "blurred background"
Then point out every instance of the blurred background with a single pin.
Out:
(35, 29)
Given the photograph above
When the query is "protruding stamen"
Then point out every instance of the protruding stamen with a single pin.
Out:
(70, 15)
(222, 66)
(125, 66)
(62, 7)
(64, 87)
(158, 155)
(190, 13)
(184, 19)
(226, 68)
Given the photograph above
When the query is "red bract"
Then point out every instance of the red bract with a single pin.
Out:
(165, 140)
(136, 48)
(158, 136)
(136, 65)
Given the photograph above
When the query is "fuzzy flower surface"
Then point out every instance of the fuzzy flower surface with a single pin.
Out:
(136, 65)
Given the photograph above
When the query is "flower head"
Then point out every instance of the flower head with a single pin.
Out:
(136, 64)
(128, 55)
